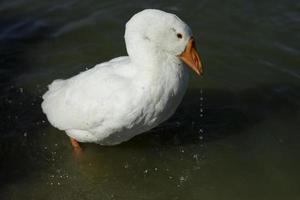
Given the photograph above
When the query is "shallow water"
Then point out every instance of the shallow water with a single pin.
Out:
(235, 136)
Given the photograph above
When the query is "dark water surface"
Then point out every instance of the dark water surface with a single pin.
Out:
(235, 136)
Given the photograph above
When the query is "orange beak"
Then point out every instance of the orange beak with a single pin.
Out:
(191, 57)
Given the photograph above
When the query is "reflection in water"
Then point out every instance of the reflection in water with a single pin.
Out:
(236, 138)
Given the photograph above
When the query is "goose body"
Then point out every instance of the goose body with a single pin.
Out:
(116, 100)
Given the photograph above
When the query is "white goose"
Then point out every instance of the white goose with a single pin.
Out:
(126, 96)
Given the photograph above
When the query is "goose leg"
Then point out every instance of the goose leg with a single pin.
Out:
(75, 144)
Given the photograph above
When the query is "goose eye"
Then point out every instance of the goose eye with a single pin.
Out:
(179, 35)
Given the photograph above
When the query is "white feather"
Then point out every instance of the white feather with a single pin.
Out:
(125, 96)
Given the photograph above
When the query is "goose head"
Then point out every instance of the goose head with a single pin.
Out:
(155, 33)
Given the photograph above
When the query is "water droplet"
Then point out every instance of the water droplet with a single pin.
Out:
(280, 140)
(195, 156)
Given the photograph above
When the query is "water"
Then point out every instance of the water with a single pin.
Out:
(235, 136)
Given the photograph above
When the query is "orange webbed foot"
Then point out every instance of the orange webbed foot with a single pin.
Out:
(76, 146)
